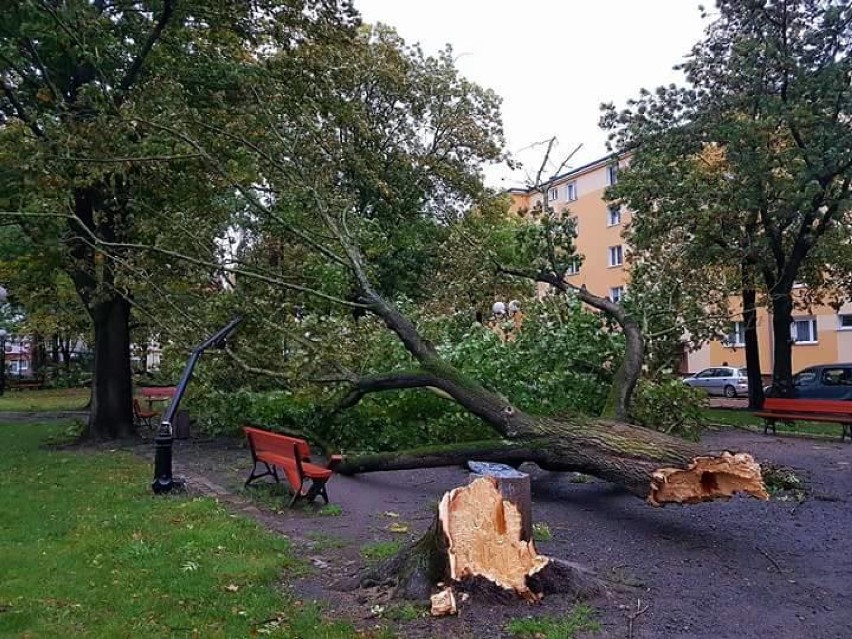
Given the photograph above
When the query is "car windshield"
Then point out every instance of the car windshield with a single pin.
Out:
(742, 372)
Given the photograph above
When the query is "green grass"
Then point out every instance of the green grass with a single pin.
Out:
(87, 551)
(322, 541)
(56, 399)
(580, 620)
(541, 531)
(379, 550)
(745, 419)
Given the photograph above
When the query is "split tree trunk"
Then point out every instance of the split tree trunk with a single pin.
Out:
(476, 545)
(111, 414)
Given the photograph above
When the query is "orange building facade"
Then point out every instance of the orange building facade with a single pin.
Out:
(820, 334)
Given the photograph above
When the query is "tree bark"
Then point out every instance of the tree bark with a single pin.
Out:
(752, 350)
(111, 414)
(782, 367)
(475, 545)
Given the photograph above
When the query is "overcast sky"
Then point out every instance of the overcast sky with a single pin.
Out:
(553, 62)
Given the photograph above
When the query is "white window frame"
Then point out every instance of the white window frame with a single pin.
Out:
(616, 294)
(571, 191)
(612, 174)
(840, 326)
(613, 215)
(615, 256)
(736, 337)
(553, 194)
(573, 267)
(813, 330)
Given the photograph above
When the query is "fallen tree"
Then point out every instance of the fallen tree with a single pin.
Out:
(657, 467)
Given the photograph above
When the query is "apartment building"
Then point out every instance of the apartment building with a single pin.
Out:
(820, 334)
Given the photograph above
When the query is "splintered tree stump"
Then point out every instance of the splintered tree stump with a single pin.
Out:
(476, 546)
(514, 486)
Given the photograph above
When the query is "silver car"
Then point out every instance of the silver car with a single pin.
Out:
(720, 380)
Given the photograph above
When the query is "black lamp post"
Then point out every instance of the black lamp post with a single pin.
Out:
(163, 480)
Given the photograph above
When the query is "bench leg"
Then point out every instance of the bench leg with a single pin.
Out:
(297, 494)
(847, 429)
(767, 424)
(253, 476)
(317, 489)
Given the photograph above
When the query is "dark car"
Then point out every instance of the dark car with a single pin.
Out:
(826, 381)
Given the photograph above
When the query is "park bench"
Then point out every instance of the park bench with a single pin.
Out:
(143, 416)
(806, 410)
(293, 456)
(157, 393)
(25, 384)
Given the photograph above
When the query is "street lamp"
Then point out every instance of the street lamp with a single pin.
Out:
(163, 480)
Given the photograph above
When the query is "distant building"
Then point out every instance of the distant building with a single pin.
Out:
(18, 357)
(820, 334)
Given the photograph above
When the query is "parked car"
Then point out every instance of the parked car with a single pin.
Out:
(720, 380)
(826, 381)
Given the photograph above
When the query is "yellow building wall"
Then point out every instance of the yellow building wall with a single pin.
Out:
(594, 238)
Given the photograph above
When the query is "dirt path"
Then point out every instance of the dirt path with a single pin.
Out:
(744, 569)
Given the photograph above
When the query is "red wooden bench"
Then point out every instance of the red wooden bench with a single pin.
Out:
(143, 416)
(293, 456)
(157, 393)
(806, 410)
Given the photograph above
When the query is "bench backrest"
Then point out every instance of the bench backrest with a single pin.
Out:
(263, 440)
(833, 406)
(157, 391)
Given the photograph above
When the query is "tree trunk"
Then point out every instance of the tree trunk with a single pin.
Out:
(39, 355)
(54, 349)
(475, 545)
(627, 376)
(111, 414)
(782, 368)
(752, 350)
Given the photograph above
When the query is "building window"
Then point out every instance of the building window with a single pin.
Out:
(553, 194)
(616, 255)
(613, 215)
(616, 294)
(611, 174)
(844, 322)
(571, 191)
(804, 331)
(737, 335)
(573, 266)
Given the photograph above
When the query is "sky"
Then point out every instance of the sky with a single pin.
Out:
(553, 62)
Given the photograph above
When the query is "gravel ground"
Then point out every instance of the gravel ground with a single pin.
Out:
(742, 569)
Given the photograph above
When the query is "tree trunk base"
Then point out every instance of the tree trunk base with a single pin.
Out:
(475, 548)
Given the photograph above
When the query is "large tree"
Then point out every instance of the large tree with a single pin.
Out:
(768, 89)
(78, 77)
(391, 140)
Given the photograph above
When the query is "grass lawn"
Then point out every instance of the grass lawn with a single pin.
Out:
(87, 551)
(744, 419)
(56, 399)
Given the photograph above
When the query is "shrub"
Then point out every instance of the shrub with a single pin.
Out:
(670, 406)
